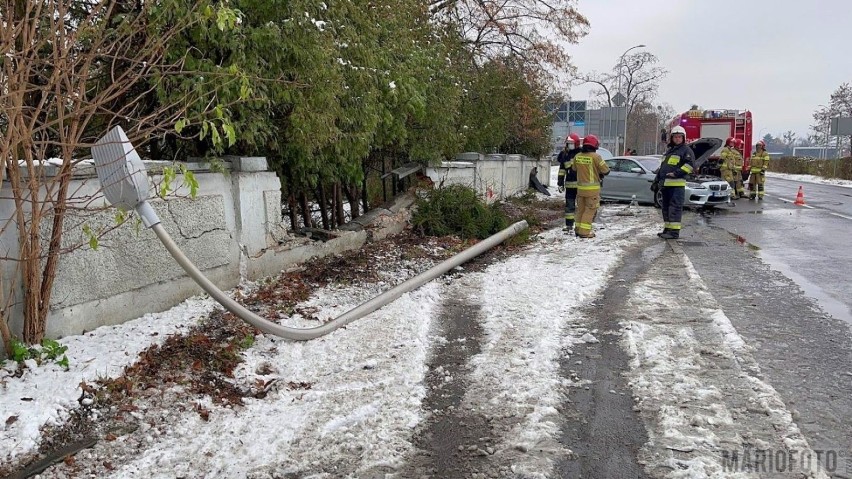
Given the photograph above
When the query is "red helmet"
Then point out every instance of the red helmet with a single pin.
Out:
(592, 141)
(731, 141)
(761, 144)
(740, 144)
(573, 138)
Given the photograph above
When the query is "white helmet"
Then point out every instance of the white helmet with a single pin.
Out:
(678, 129)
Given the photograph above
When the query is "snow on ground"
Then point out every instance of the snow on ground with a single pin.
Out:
(696, 384)
(45, 394)
(811, 179)
(528, 301)
(348, 403)
(363, 401)
(367, 381)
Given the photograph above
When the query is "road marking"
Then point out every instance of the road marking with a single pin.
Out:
(791, 201)
(841, 216)
(814, 207)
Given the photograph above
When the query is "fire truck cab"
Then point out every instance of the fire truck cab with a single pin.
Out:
(721, 124)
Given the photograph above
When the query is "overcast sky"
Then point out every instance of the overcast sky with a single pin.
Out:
(780, 59)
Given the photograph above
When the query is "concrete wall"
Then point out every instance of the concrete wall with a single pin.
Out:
(494, 176)
(232, 229)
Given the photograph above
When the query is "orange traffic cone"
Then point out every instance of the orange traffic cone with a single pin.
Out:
(800, 197)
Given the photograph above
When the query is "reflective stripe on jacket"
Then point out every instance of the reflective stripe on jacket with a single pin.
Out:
(737, 161)
(760, 162)
(727, 157)
(567, 177)
(678, 161)
(589, 167)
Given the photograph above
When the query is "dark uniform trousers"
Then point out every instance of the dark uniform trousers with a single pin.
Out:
(570, 205)
(673, 199)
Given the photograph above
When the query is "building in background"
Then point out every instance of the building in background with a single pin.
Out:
(818, 152)
(608, 124)
(568, 117)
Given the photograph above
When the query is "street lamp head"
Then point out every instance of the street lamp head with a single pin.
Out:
(628, 50)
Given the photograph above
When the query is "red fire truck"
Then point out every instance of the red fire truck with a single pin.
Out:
(721, 124)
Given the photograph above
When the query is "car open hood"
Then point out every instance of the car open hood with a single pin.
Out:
(703, 148)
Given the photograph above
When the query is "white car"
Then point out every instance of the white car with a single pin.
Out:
(703, 191)
(632, 176)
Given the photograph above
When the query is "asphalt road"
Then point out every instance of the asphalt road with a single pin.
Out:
(833, 199)
(781, 273)
(808, 244)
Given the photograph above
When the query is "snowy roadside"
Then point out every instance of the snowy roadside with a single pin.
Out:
(367, 381)
(347, 404)
(360, 398)
(700, 392)
(529, 302)
(45, 395)
(811, 179)
(364, 380)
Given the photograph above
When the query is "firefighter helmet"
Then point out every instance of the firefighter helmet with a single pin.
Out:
(731, 141)
(739, 144)
(761, 144)
(678, 130)
(592, 141)
(573, 138)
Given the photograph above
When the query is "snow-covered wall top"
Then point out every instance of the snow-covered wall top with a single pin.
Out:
(494, 176)
(234, 220)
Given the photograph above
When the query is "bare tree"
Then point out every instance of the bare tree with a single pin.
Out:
(535, 31)
(665, 113)
(640, 80)
(811, 140)
(789, 139)
(70, 71)
(639, 77)
(839, 105)
(643, 129)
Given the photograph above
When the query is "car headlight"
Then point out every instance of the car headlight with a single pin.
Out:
(696, 186)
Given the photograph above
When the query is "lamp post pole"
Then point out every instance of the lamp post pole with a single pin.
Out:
(620, 65)
(825, 143)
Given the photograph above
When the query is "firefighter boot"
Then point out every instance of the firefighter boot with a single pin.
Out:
(664, 232)
(569, 227)
(671, 234)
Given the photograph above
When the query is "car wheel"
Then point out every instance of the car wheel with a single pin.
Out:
(658, 198)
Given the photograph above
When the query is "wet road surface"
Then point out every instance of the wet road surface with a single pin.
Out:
(780, 272)
(601, 426)
(810, 245)
(834, 199)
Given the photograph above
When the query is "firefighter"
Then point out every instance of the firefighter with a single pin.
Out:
(737, 173)
(739, 145)
(676, 165)
(759, 166)
(567, 180)
(727, 167)
(590, 168)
